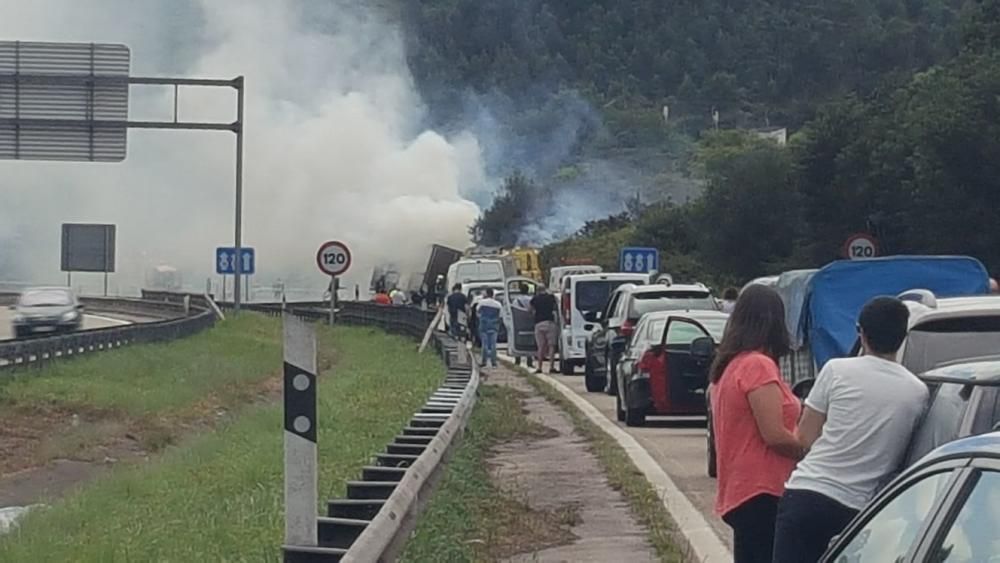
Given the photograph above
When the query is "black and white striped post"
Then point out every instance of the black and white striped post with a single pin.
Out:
(300, 434)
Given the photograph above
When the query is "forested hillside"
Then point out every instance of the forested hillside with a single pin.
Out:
(754, 60)
(915, 166)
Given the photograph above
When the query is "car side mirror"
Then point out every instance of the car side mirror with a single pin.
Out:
(996, 427)
(79, 307)
(618, 344)
(703, 348)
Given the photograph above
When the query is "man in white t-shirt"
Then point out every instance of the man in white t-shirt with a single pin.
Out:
(856, 424)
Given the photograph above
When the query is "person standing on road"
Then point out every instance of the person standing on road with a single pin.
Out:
(456, 302)
(856, 425)
(488, 312)
(382, 298)
(543, 307)
(753, 421)
(397, 296)
(729, 297)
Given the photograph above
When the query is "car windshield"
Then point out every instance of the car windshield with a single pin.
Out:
(46, 297)
(593, 295)
(939, 342)
(647, 302)
(941, 422)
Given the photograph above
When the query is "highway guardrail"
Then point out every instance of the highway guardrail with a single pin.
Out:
(192, 314)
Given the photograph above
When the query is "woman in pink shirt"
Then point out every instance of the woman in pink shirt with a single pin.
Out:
(753, 415)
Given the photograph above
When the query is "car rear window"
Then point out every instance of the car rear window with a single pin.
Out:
(933, 344)
(648, 302)
(593, 295)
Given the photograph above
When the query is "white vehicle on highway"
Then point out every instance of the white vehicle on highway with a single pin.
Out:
(582, 294)
(46, 309)
(472, 270)
(557, 274)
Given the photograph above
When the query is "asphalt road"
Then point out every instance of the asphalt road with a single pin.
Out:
(89, 321)
(678, 445)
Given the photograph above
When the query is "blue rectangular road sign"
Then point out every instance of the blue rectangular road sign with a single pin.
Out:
(639, 260)
(225, 260)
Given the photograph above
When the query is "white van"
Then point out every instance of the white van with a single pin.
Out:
(581, 294)
(557, 274)
(469, 270)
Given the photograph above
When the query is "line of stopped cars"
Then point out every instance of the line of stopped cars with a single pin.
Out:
(654, 354)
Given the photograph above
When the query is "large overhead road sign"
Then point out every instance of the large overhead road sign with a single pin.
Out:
(63, 101)
(639, 260)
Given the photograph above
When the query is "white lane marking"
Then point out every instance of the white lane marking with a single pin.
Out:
(705, 543)
(116, 322)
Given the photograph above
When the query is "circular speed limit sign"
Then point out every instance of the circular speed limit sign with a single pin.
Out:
(860, 246)
(333, 258)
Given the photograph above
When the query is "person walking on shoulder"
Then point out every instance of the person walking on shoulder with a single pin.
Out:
(543, 307)
(456, 302)
(488, 312)
(753, 421)
(857, 425)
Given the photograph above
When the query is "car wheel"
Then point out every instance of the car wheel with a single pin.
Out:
(565, 367)
(619, 410)
(590, 379)
(634, 417)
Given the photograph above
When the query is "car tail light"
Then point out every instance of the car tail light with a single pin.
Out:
(565, 309)
(645, 365)
(628, 328)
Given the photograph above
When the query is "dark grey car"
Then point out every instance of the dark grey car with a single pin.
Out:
(46, 309)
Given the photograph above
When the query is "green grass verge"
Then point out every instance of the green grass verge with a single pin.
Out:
(469, 518)
(155, 379)
(622, 475)
(219, 496)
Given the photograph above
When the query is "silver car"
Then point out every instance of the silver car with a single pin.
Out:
(46, 309)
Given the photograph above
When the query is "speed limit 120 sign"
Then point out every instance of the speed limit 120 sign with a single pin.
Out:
(860, 246)
(333, 258)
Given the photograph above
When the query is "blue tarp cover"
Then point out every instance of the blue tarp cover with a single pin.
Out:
(840, 290)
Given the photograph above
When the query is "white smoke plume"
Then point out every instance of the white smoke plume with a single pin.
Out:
(334, 147)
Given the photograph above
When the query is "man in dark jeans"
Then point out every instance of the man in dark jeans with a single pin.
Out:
(543, 307)
(457, 302)
(856, 425)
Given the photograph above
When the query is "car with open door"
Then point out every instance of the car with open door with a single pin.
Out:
(943, 509)
(518, 318)
(671, 375)
(625, 307)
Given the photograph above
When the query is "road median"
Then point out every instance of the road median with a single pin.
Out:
(217, 494)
